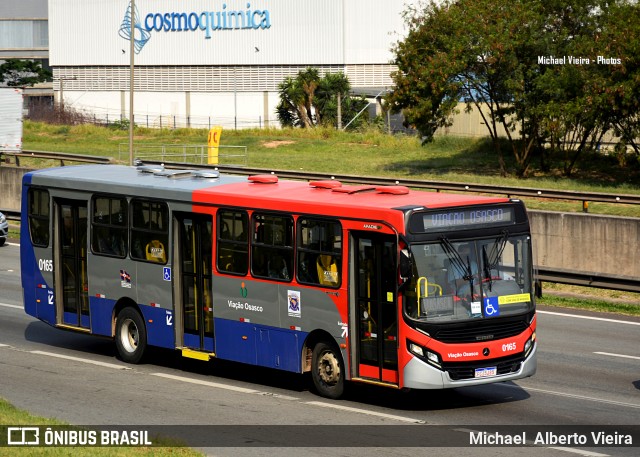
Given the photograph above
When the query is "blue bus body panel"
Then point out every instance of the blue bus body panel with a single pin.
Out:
(36, 300)
(101, 309)
(259, 345)
(160, 326)
(45, 308)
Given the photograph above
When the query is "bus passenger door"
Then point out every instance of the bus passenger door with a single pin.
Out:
(376, 307)
(70, 247)
(194, 284)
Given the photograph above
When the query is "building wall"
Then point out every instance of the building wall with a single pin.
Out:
(286, 32)
(24, 29)
(90, 52)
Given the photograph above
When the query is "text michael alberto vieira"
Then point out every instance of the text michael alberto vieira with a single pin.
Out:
(548, 438)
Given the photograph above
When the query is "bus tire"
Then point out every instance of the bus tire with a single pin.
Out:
(131, 335)
(327, 370)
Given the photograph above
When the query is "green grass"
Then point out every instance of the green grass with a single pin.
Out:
(590, 298)
(9, 415)
(590, 304)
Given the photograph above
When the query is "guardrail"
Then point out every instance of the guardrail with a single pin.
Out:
(584, 197)
(542, 274)
(586, 279)
(61, 156)
(11, 215)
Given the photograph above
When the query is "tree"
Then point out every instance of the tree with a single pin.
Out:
(15, 72)
(309, 100)
(476, 51)
(502, 57)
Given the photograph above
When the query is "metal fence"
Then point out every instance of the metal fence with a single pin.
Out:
(197, 154)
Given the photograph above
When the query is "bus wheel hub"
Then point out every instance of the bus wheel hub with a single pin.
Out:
(329, 369)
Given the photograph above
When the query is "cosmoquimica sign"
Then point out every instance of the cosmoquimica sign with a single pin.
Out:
(208, 21)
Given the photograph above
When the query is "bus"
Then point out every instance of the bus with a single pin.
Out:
(362, 283)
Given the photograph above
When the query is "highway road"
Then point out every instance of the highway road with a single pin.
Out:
(588, 375)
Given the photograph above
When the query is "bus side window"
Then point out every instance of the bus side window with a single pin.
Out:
(232, 245)
(319, 252)
(38, 204)
(272, 246)
(109, 226)
(149, 230)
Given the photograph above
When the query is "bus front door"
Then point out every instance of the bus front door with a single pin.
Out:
(70, 241)
(376, 307)
(195, 257)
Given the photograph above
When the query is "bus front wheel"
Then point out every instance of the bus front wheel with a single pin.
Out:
(131, 335)
(327, 370)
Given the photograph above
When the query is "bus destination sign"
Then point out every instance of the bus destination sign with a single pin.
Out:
(463, 218)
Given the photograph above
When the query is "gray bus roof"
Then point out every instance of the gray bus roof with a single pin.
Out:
(126, 180)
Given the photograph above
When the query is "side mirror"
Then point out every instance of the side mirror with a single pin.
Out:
(406, 266)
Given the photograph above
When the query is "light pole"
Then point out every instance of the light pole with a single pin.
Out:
(131, 54)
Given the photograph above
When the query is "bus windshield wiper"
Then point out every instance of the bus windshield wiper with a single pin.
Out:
(462, 269)
(492, 260)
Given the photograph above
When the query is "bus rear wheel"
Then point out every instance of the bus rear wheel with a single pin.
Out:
(327, 370)
(131, 335)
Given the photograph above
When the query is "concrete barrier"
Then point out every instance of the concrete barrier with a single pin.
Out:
(568, 241)
(586, 242)
(10, 187)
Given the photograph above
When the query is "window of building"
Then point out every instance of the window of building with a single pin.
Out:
(24, 33)
(272, 246)
(109, 226)
(38, 203)
(319, 252)
(149, 231)
(233, 242)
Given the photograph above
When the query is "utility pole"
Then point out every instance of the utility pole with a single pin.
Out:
(62, 79)
(131, 63)
(339, 111)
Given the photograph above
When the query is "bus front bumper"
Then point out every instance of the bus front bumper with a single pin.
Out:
(421, 375)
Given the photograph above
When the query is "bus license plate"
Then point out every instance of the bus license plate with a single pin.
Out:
(486, 372)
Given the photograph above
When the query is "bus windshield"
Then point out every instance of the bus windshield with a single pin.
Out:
(471, 279)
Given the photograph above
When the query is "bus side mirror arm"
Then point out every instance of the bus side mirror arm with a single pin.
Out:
(406, 267)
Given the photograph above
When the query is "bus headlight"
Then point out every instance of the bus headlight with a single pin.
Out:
(529, 344)
(432, 358)
(417, 350)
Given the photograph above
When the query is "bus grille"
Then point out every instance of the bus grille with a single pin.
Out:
(458, 371)
(484, 332)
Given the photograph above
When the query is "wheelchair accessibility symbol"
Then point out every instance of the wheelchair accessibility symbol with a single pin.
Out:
(166, 274)
(491, 307)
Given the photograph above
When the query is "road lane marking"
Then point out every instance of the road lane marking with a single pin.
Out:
(207, 383)
(4, 345)
(11, 306)
(579, 397)
(604, 319)
(618, 355)
(78, 359)
(578, 451)
(286, 397)
(279, 396)
(365, 411)
(12, 244)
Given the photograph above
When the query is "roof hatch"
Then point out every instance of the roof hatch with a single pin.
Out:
(325, 184)
(263, 179)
